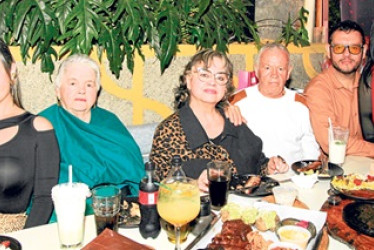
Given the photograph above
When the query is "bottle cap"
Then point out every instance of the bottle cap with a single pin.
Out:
(204, 206)
(176, 160)
(150, 166)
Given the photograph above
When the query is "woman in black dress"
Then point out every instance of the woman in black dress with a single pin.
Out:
(29, 156)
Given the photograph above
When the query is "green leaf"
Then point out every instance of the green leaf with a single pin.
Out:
(82, 24)
(167, 22)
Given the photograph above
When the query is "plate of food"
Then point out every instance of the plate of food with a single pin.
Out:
(9, 243)
(360, 217)
(309, 167)
(247, 225)
(354, 186)
(252, 185)
(129, 214)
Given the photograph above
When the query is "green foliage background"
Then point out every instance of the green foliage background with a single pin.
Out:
(121, 27)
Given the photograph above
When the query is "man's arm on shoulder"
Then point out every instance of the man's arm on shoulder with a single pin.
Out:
(232, 111)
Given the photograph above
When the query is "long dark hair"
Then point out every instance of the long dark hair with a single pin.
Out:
(181, 93)
(7, 60)
(366, 73)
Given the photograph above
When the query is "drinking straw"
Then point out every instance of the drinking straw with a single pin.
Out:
(330, 130)
(70, 175)
(163, 185)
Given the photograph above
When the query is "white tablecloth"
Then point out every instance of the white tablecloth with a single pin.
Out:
(46, 237)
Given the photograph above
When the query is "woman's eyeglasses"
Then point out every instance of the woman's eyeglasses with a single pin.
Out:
(205, 75)
(353, 49)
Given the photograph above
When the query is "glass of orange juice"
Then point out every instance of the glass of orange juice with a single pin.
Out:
(178, 202)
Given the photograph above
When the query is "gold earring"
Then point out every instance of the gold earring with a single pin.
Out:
(13, 76)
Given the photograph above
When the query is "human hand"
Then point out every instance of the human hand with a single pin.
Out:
(203, 181)
(233, 113)
(277, 165)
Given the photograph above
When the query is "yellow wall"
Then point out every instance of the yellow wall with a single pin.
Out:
(146, 96)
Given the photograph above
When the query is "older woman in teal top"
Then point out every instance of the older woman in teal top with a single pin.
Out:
(91, 139)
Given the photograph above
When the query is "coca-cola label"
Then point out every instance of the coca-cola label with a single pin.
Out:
(148, 198)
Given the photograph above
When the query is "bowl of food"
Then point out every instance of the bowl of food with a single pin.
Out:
(294, 234)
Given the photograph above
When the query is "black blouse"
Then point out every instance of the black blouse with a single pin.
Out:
(29, 167)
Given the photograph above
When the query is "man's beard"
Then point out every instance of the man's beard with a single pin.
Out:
(345, 72)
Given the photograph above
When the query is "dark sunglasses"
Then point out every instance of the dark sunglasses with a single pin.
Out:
(353, 49)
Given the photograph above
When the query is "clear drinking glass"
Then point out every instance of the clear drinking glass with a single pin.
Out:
(178, 202)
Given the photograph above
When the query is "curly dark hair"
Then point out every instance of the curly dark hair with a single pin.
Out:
(366, 73)
(181, 93)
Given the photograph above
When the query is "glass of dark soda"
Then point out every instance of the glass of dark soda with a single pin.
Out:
(106, 205)
(219, 174)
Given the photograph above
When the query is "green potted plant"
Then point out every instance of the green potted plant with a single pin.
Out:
(122, 27)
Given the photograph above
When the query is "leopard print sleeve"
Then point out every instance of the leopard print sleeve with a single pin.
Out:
(160, 153)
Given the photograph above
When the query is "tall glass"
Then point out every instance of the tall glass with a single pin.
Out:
(337, 144)
(178, 202)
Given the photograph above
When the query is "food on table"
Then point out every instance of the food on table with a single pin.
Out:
(355, 185)
(294, 234)
(247, 184)
(253, 181)
(5, 245)
(267, 220)
(366, 215)
(135, 210)
(263, 220)
(129, 213)
(301, 223)
(360, 217)
(257, 242)
(249, 215)
(310, 168)
(233, 211)
(233, 236)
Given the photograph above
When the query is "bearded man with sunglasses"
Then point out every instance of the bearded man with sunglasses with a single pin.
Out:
(334, 93)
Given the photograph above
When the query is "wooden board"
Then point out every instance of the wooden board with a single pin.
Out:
(341, 231)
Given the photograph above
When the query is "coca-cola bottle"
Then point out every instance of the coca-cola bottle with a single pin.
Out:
(148, 193)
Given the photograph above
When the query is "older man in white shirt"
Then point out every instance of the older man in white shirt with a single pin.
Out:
(274, 113)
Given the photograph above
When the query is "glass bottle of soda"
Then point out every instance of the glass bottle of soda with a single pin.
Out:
(176, 167)
(148, 193)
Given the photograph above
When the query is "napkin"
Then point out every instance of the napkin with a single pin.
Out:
(109, 240)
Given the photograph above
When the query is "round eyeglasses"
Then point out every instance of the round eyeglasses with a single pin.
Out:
(205, 75)
(353, 49)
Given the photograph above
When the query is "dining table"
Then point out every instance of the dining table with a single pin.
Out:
(46, 236)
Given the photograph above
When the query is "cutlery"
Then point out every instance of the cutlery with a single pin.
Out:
(203, 232)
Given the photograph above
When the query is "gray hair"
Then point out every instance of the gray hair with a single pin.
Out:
(273, 45)
(78, 58)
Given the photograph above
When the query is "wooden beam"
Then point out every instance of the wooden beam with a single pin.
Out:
(318, 13)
